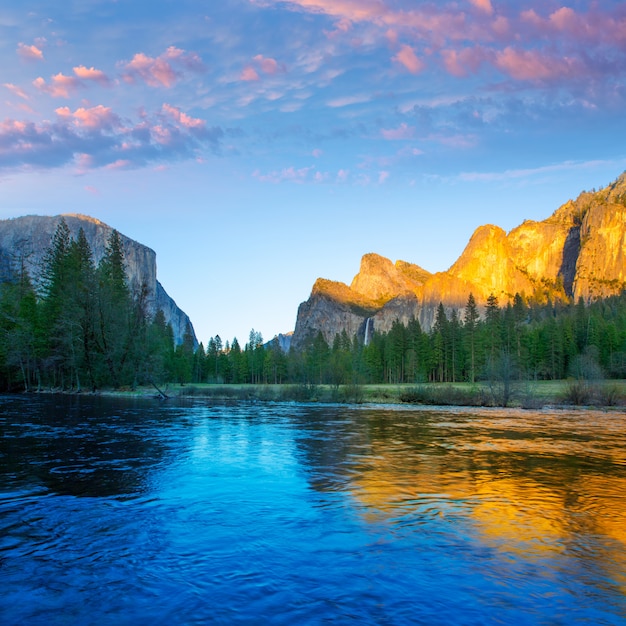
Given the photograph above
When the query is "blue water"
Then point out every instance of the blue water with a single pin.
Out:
(141, 512)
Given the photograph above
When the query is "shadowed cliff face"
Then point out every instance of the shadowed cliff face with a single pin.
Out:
(579, 251)
(28, 238)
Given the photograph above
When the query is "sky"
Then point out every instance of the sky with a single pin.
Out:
(256, 145)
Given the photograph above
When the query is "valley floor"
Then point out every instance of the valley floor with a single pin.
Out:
(522, 394)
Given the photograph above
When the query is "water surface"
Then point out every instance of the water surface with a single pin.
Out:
(117, 511)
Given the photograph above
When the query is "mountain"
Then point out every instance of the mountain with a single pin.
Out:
(579, 251)
(26, 239)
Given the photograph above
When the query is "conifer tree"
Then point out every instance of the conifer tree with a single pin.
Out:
(470, 325)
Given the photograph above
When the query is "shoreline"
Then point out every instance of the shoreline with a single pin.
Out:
(608, 395)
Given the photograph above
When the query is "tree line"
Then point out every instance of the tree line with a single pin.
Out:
(84, 327)
(523, 340)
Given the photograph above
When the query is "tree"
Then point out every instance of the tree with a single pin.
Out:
(114, 336)
(470, 324)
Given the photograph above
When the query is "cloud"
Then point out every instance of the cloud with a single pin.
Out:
(536, 66)
(18, 91)
(60, 86)
(182, 118)
(349, 100)
(264, 65)
(289, 174)
(404, 131)
(29, 53)
(249, 74)
(407, 57)
(462, 62)
(483, 5)
(97, 137)
(95, 118)
(164, 70)
(268, 65)
(92, 74)
(582, 47)
(516, 174)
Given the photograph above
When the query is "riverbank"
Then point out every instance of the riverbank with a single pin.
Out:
(522, 394)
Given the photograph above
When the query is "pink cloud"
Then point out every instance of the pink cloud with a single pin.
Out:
(60, 86)
(119, 164)
(382, 177)
(161, 71)
(96, 137)
(29, 53)
(533, 65)
(265, 65)
(289, 174)
(92, 190)
(407, 57)
(576, 41)
(249, 74)
(90, 73)
(483, 5)
(404, 131)
(268, 65)
(98, 117)
(182, 118)
(350, 10)
(462, 62)
(342, 26)
(18, 91)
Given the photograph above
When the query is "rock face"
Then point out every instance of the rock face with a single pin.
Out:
(28, 238)
(579, 251)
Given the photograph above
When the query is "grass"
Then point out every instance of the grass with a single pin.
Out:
(525, 394)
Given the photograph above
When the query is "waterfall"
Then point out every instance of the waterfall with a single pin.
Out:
(367, 331)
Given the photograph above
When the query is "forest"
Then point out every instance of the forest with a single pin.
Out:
(82, 327)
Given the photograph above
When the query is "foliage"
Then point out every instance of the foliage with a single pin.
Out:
(86, 328)
(83, 328)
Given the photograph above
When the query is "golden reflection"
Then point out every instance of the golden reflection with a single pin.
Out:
(508, 510)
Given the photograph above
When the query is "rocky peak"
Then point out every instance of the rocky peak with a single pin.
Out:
(28, 238)
(379, 279)
(579, 251)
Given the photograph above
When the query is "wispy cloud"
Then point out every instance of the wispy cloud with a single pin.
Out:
(533, 45)
(524, 173)
(97, 137)
(403, 132)
(406, 56)
(162, 71)
(289, 174)
(92, 74)
(18, 91)
(29, 52)
(60, 85)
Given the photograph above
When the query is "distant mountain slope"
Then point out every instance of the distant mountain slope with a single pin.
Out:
(579, 251)
(28, 238)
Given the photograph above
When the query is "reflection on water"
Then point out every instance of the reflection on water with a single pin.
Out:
(244, 513)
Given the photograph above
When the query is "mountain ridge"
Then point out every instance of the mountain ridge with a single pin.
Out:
(578, 251)
(26, 239)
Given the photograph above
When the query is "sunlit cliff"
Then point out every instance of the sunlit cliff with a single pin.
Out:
(579, 251)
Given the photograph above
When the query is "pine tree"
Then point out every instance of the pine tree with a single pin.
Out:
(470, 325)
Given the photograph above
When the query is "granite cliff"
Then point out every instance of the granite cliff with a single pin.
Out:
(579, 251)
(28, 238)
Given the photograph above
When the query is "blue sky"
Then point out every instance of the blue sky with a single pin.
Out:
(258, 144)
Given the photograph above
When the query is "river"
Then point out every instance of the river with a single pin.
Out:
(134, 511)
